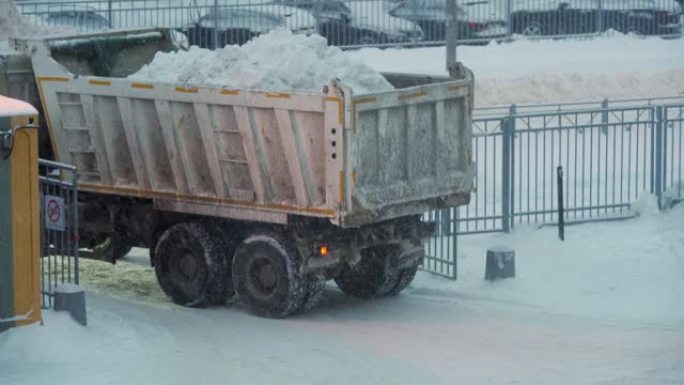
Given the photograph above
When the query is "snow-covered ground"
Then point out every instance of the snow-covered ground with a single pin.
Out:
(604, 307)
(542, 71)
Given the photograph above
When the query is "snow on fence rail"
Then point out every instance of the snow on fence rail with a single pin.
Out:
(610, 157)
(353, 23)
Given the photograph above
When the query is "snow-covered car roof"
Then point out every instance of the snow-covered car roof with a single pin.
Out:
(262, 18)
(373, 15)
(484, 11)
(550, 5)
(71, 16)
(423, 10)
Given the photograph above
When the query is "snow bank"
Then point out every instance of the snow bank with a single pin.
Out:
(277, 61)
(632, 269)
(541, 71)
(646, 204)
(603, 307)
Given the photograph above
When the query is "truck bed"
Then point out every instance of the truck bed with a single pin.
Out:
(260, 155)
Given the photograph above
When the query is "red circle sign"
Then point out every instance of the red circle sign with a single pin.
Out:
(53, 211)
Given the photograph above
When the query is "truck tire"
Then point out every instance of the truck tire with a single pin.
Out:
(372, 277)
(191, 267)
(404, 279)
(267, 278)
(316, 284)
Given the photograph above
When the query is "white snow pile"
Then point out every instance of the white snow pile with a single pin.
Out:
(277, 61)
(645, 205)
(631, 269)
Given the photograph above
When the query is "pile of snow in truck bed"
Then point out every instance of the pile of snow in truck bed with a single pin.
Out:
(277, 61)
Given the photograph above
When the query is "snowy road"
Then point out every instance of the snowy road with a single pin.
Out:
(603, 307)
(412, 339)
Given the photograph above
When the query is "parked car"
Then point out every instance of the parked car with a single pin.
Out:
(358, 22)
(562, 17)
(486, 19)
(239, 24)
(431, 15)
(333, 19)
(81, 20)
(69, 17)
(371, 23)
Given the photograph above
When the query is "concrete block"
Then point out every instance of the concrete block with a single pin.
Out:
(500, 263)
(71, 297)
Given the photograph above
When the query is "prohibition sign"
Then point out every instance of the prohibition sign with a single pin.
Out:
(54, 211)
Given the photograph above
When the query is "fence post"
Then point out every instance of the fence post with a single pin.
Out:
(215, 32)
(512, 112)
(317, 9)
(658, 149)
(599, 17)
(451, 32)
(506, 175)
(445, 221)
(454, 246)
(561, 211)
(508, 19)
(109, 13)
(75, 233)
(604, 116)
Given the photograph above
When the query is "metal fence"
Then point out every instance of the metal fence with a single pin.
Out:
(353, 23)
(59, 227)
(610, 156)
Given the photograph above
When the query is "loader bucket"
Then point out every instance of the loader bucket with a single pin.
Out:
(111, 54)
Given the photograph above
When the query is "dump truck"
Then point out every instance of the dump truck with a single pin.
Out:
(258, 193)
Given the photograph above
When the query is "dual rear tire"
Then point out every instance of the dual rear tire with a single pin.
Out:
(267, 277)
(376, 275)
(195, 269)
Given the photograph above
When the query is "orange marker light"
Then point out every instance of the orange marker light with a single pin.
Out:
(323, 250)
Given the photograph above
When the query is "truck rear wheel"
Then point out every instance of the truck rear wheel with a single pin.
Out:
(267, 276)
(191, 267)
(404, 279)
(372, 277)
(316, 284)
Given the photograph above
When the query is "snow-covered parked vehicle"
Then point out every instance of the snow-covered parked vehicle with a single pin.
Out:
(239, 24)
(373, 24)
(261, 193)
(432, 17)
(564, 17)
(71, 17)
(486, 19)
